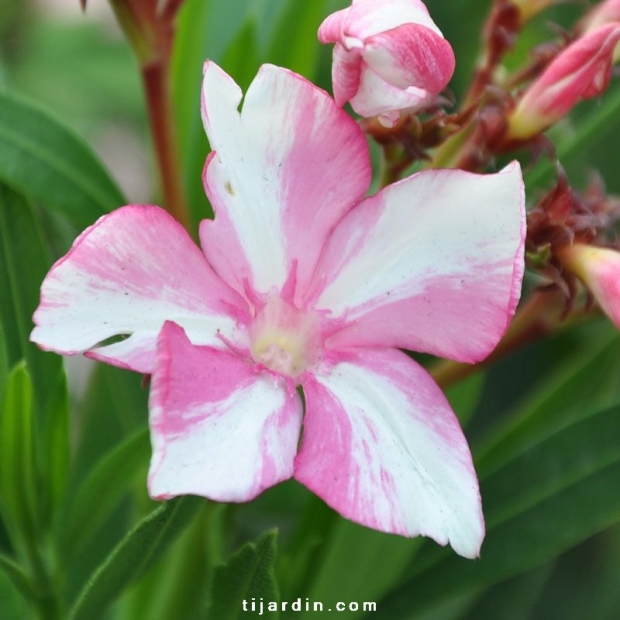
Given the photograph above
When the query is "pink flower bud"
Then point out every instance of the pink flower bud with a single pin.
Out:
(389, 56)
(581, 71)
(599, 269)
(604, 13)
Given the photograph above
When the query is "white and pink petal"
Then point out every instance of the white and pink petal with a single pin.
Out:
(433, 263)
(346, 73)
(366, 18)
(377, 97)
(383, 448)
(284, 170)
(124, 276)
(220, 427)
(411, 55)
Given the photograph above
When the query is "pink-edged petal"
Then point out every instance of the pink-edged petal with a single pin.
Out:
(285, 170)
(220, 428)
(411, 55)
(346, 73)
(377, 97)
(383, 448)
(433, 263)
(369, 17)
(125, 275)
(332, 28)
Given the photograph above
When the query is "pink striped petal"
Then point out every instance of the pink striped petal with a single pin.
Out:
(433, 263)
(377, 97)
(346, 73)
(383, 448)
(411, 55)
(332, 28)
(219, 428)
(125, 275)
(365, 18)
(284, 172)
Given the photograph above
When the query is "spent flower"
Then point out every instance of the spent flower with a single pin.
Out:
(302, 281)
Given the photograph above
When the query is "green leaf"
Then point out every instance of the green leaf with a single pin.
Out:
(465, 395)
(248, 577)
(42, 159)
(550, 498)
(360, 565)
(86, 509)
(53, 446)
(18, 483)
(242, 58)
(176, 588)
(513, 599)
(294, 42)
(113, 408)
(4, 362)
(583, 583)
(23, 265)
(17, 576)
(133, 556)
(14, 590)
(586, 382)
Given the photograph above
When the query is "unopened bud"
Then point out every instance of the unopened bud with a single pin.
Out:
(604, 13)
(389, 57)
(599, 269)
(581, 71)
(607, 12)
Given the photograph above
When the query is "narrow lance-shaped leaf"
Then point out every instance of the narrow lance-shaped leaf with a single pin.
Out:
(18, 483)
(88, 507)
(585, 383)
(294, 42)
(248, 581)
(133, 556)
(17, 575)
(4, 362)
(44, 160)
(23, 263)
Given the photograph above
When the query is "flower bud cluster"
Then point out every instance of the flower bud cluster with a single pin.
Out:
(391, 62)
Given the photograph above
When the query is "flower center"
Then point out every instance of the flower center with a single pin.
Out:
(285, 339)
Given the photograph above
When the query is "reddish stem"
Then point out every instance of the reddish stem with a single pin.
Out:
(158, 98)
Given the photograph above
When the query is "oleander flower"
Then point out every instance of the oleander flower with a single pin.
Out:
(581, 71)
(302, 282)
(389, 57)
(599, 269)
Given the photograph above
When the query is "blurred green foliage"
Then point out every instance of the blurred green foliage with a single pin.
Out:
(546, 425)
